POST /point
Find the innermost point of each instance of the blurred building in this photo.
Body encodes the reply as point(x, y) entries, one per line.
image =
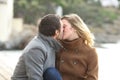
point(110, 3)
point(59, 11)
point(6, 16)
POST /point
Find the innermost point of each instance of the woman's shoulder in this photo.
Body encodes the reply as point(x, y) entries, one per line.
point(90, 50)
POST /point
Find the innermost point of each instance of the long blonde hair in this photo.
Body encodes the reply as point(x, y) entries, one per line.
point(81, 28)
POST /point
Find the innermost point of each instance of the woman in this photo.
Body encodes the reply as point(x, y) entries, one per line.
point(78, 59)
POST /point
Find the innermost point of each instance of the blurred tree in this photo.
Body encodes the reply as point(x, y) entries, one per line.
point(89, 10)
point(31, 10)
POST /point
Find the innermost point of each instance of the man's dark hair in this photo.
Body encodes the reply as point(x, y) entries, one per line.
point(49, 24)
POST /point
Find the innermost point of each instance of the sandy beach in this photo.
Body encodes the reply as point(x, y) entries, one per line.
point(109, 65)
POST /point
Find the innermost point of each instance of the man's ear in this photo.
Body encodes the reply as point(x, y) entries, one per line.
point(56, 34)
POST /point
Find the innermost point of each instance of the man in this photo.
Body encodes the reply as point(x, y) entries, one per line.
point(39, 54)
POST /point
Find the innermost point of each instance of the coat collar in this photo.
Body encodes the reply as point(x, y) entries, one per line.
point(72, 44)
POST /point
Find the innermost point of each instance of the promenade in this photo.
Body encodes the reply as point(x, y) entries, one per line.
point(8, 60)
point(109, 65)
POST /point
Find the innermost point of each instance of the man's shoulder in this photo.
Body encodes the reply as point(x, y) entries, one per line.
point(35, 43)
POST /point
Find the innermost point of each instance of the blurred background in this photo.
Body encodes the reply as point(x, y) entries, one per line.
point(19, 20)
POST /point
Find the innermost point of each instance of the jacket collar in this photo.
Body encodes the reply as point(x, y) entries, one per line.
point(50, 41)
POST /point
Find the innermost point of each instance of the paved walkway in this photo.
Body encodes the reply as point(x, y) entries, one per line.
point(109, 65)
point(8, 60)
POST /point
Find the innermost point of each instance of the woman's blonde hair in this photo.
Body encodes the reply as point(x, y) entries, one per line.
point(81, 28)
